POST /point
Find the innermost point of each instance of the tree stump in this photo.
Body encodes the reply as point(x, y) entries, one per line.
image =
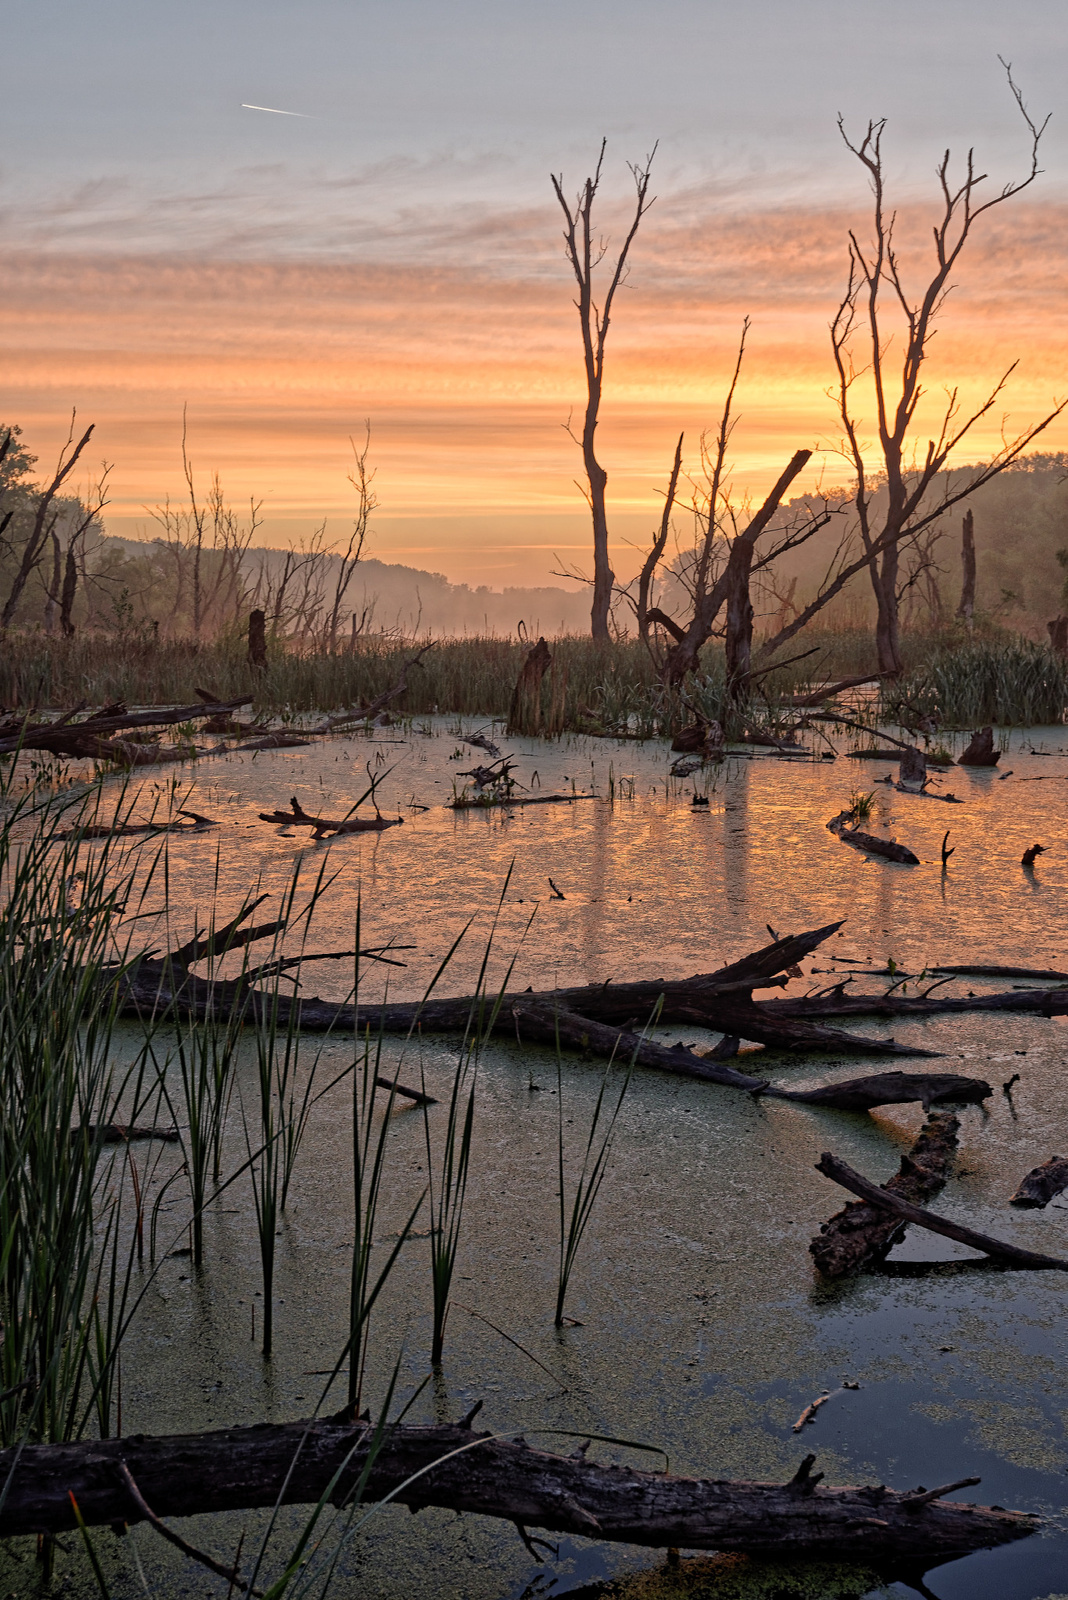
point(980, 752)
point(257, 640)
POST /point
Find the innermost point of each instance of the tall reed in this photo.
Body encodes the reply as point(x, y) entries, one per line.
point(574, 1218)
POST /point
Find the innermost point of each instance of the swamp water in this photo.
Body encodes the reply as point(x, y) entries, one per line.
point(701, 1327)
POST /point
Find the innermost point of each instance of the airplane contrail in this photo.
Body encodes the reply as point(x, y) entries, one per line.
point(275, 111)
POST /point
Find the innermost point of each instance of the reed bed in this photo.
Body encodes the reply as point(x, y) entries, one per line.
point(590, 686)
point(1011, 682)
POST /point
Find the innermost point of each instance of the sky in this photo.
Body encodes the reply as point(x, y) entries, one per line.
point(391, 249)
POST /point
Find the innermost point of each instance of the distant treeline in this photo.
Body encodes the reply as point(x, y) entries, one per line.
point(204, 572)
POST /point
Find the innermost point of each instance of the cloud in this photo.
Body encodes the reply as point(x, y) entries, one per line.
point(454, 331)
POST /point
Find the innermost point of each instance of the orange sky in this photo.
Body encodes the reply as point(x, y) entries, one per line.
point(467, 373)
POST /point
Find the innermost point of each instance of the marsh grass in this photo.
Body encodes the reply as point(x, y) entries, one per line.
point(590, 687)
point(574, 1219)
point(1011, 682)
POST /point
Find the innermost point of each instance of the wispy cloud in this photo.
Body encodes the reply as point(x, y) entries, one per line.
point(454, 330)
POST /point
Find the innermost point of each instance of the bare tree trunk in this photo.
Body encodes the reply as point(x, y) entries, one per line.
point(887, 631)
point(257, 640)
point(682, 657)
point(69, 590)
point(53, 588)
point(966, 609)
point(649, 565)
point(583, 256)
point(739, 617)
point(31, 553)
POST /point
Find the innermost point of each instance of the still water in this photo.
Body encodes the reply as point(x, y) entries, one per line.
point(702, 1328)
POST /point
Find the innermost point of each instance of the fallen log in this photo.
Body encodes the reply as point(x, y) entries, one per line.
point(837, 1170)
point(816, 697)
point(719, 1000)
point(1042, 1184)
point(293, 1463)
point(86, 738)
point(862, 1232)
point(1040, 1002)
point(1039, 974)
point(273, 741)
point(123, 1133)
point(887, 848)
point(547, 1024)
point(297, 817)
point(497, 802)
point(126, 830)
point(892, 1089)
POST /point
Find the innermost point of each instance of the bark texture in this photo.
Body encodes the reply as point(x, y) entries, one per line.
point(240, 1468)
point(863, 1232)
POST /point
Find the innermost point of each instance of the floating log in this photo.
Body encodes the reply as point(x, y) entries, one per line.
point(123, 1133)
point(125, 830)
point(1042, 1184)
point(496, 802)
point(273, 741)
point(928, 794)
point(1039, 974)
point(297, 817)
point(294, 1463)
point(887, 848)
point(862, 1233)
point(892, 1089)
point(980, 751)
point(837, 1170)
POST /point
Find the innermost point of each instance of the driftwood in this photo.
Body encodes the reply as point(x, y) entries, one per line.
point(297, 817)
point(901, 1208)
point(369, 713)
point(1042, 1184)
point(863, 1232)
point(892, 1089)
point(455, 1467)
point(980, 751)
point(886, 848)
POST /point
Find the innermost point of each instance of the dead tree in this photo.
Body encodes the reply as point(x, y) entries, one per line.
point(33, 549)
point(966, 609)
point(894, 507)
point(584, 256)
point(349, 558)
